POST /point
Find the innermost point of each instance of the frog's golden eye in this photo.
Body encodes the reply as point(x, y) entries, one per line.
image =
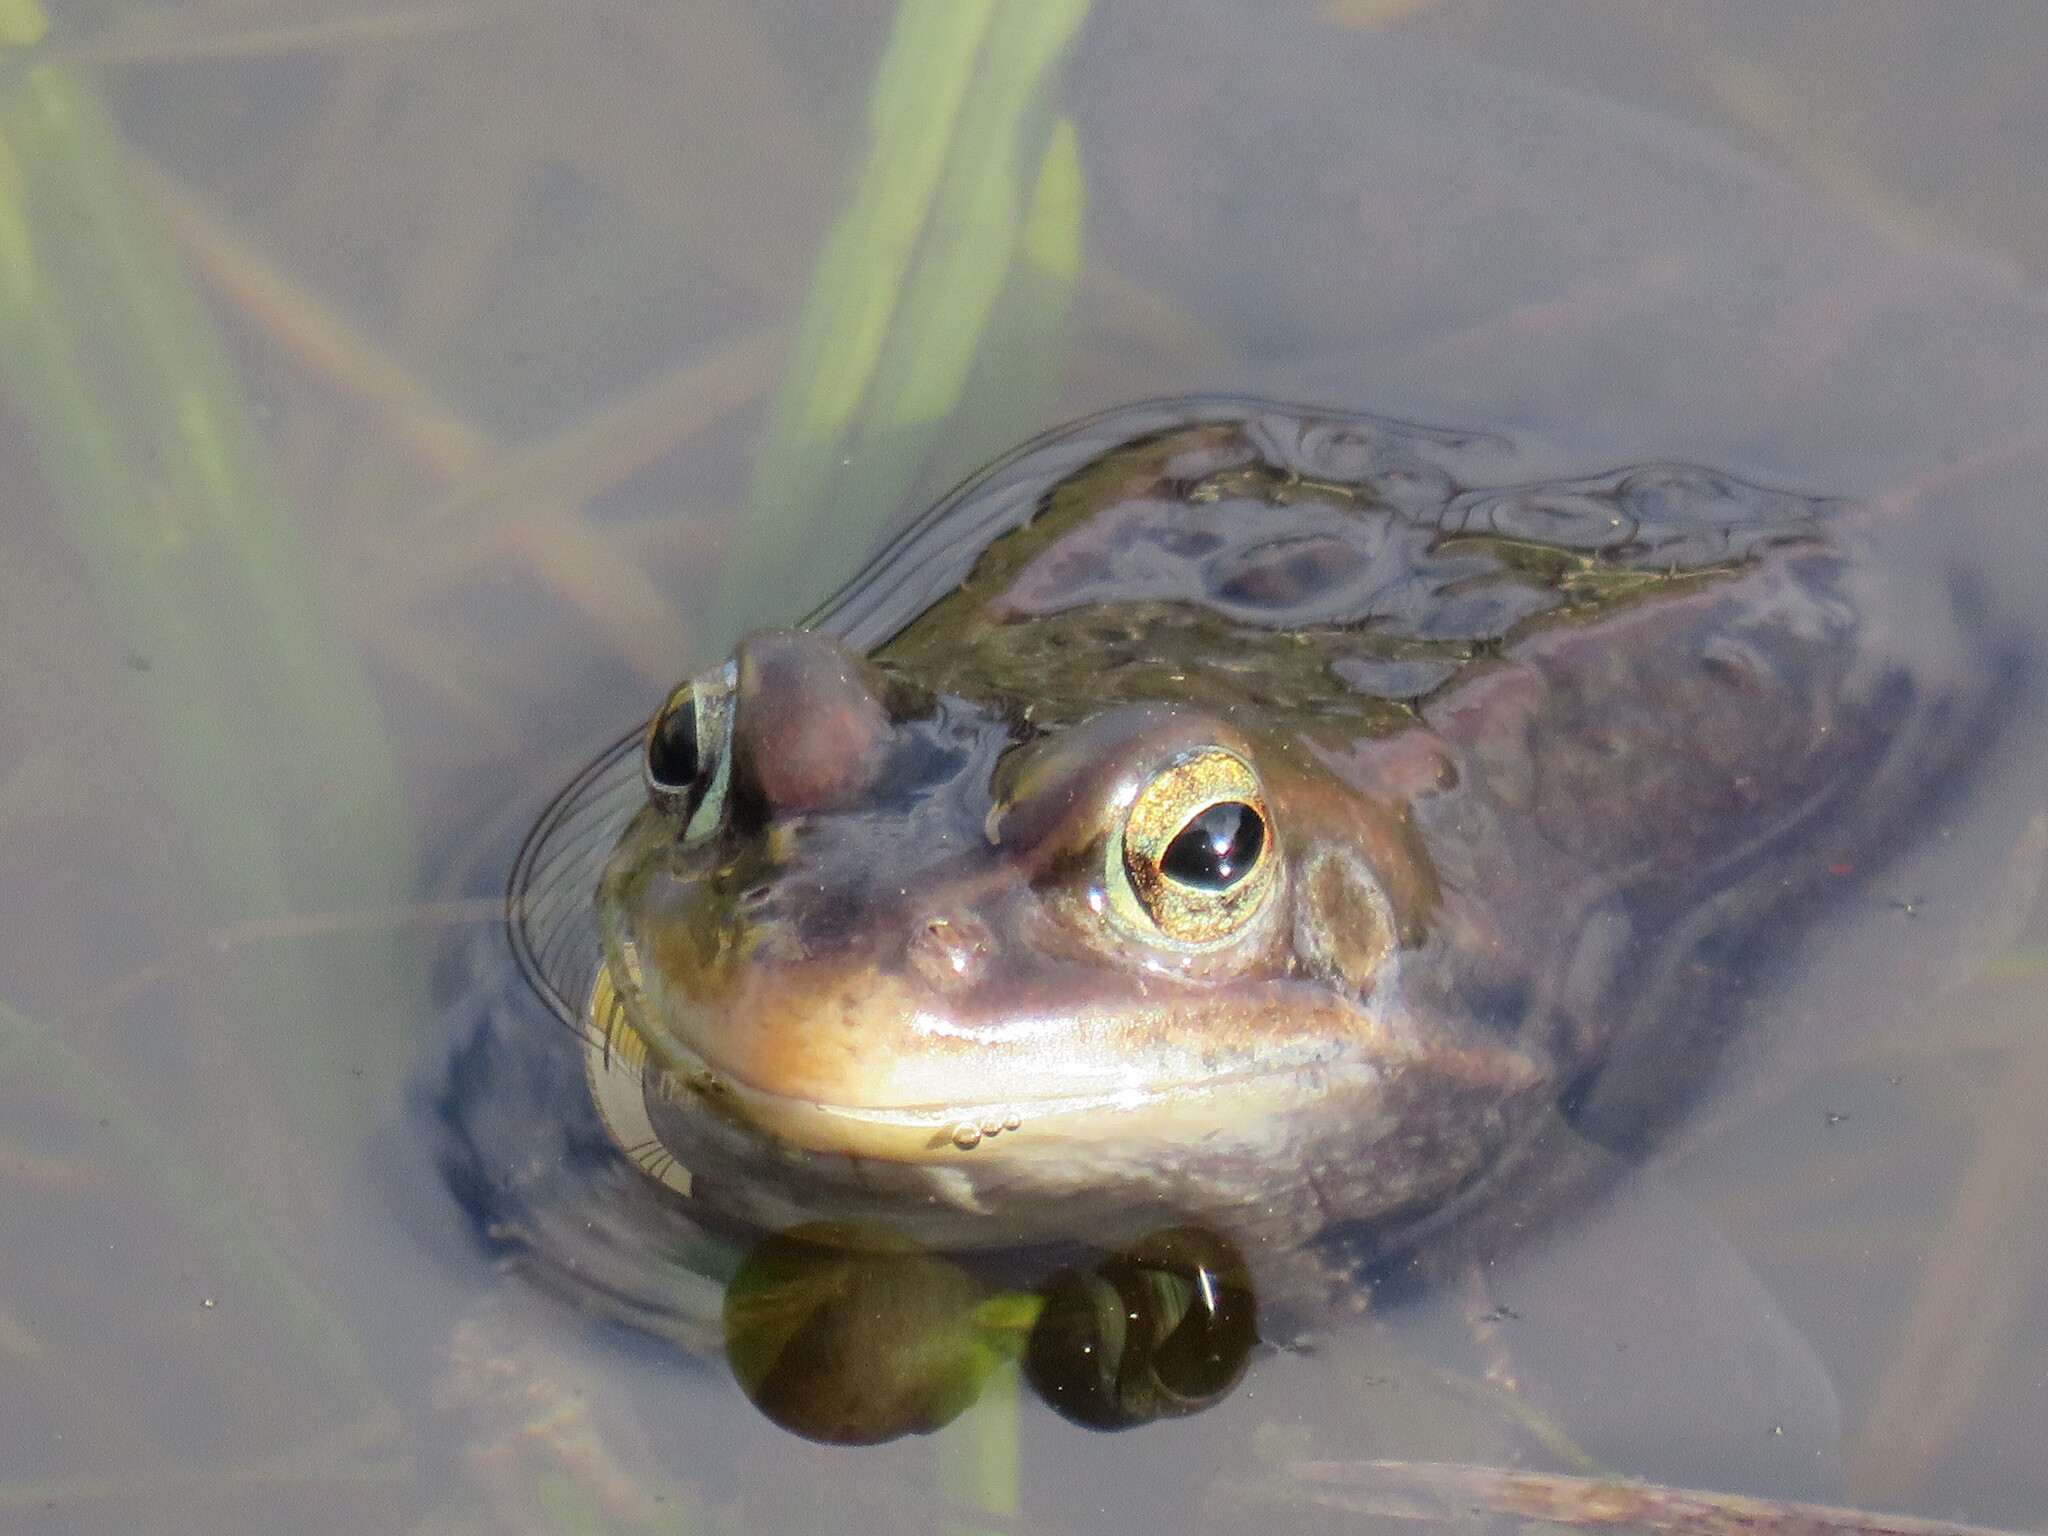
point(1197, 848)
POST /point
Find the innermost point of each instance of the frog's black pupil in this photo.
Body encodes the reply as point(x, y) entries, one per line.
point(1213, 851)
point(672, 747)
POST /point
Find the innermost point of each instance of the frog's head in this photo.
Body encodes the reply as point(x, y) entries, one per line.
point(882, 944)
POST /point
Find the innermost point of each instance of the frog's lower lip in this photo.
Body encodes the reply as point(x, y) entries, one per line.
point(930, 1133)
point(954, 1132)
point(1170, 1110)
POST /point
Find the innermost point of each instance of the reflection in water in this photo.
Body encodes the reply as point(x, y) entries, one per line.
point(1160, 1331)
point(853, 1336)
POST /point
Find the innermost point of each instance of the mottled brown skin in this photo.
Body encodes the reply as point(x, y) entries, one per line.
point(1540, 766)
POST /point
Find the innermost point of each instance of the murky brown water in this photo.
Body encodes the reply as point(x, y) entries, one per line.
point(448, 245)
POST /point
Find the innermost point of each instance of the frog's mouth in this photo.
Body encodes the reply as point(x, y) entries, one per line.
point(1174, 1112)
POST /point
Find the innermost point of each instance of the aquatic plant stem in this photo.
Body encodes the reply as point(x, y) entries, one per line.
point(956, 190)
point(979, 1465)
point(273, 752)
point(151, 450)
point(253, 779)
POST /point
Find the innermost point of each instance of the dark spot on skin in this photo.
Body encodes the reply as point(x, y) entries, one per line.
point(951, 952)
point(1390, 677)
point(1500, 1006)
point(1286, 571)
point(1188, 543)
point(1733, 665)
point(917, 765)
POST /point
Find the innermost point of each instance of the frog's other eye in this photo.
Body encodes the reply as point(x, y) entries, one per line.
point(672, 745)
point(1197, 848)
point(687, 758)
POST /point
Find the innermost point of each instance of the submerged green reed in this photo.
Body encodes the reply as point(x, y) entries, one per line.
point(939, 297)
point(257, 733)
point(271, 746)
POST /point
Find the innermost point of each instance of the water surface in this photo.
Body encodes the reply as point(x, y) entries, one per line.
point(234, 1296)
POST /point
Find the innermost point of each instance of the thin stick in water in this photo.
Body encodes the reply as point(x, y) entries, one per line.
point(1437, 1490)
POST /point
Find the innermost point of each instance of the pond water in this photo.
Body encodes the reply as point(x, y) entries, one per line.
point(507, 287)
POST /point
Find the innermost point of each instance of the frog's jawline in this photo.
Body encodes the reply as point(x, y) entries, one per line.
point(924, 1133)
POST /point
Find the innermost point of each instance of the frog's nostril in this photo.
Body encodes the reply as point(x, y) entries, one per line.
point(950, 952)
point(810, 729)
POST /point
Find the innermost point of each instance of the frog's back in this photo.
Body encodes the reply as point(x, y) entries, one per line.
point(1331, 571)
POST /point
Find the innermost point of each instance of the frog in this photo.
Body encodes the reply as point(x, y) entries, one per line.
point(1295, 821)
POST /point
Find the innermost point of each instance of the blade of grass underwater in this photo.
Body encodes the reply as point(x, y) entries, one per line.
point(923, 78)
point(949, 301)
point(902, 294)
point(272, 753)
point(1015, 381)
point(979, 1462)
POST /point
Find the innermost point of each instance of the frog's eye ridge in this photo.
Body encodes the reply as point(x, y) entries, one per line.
point(672, 757)
point(1196, 861)
point(1217, 848)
